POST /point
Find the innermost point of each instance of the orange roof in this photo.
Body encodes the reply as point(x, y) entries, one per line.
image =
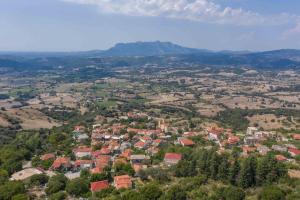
point(280, 158)
point(96, 170)
point(157, 141)
point(232, 139)
point(83, 162)
point(294, 151)
point(82, 149)
point(215, 130)
point(102, 161)
point(138, 166)
point(296, 136)
point(123, 181)
point(99, 185)
point(248, 149)
point(126, 154)
point(173, 156)
point(189, 134)
point(61, 161)
point(139, 144)
point(47, 156)
point(186, 142)
point(105, 151)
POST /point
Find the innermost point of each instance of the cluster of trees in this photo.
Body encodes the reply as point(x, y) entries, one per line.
point(242, 172)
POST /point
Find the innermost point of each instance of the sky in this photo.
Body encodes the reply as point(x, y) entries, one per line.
point(79, 25)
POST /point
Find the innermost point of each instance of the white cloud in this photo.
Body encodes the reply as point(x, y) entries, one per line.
point(196, 10)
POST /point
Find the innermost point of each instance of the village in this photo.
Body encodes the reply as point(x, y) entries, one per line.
point(123, 150)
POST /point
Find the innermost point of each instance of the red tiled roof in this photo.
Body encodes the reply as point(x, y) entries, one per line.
point(294, 151)
point(96, 170)
point(280, 158)
point(173, 156)
point(78, 128)
point(47, 156)
point(145, 138)
point(215, 130)
point(99, 185)
point(138, 166)
point(157, 141)
point(61, 161)
point(233, 139)
point(105, 151)
point(189, 134)
point(123, 181)
point(102, 161)
point(186, 142)
point(126, 154)
point(248, 149)
point(139, 144)
point(82, 149)
point(83, 162)
point(296, 136)
point(96, 153)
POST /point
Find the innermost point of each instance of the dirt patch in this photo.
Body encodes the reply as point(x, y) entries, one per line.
point(270, 121)
point(32, 119)
point(4, 122)
point(294, 173)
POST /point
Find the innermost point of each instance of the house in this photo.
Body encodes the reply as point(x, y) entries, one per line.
point(120, 160)
point(280, 158)
point(263, 150)
point(96, 170)
point(189, 134)
point(126, 154)
point(250, 140)
point(157, 142)
point(84, 164)
point(82, 151)
point(103, 161)
point(294, 152)
point(105, 151)
point(214, 136)
point(122, 182)
point(61, 163)
point(138, 167)
point(124, 146)
point(247, 150)
point(232, 140)
point(140, 145)
point(99, 185)
point(152, 150)
point(296, 136)
point(48, 156)
point(78, 128)
point(82, 137)
point(172, 158)
point(139, 159)
point(279, 148)
point(186, 142)
point(251, 130)
point(146, 139)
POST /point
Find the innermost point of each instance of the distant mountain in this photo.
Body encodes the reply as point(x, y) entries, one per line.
point(139, 53)
point(149, 49)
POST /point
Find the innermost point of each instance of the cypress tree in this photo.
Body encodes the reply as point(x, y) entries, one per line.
point(248, 173)
point(234, 172)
